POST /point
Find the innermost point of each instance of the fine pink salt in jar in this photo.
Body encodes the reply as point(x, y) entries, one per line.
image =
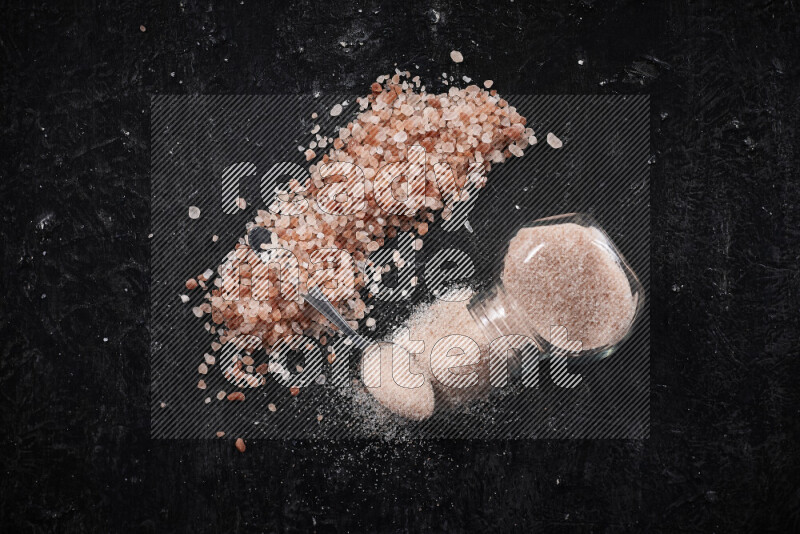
point(562, 272)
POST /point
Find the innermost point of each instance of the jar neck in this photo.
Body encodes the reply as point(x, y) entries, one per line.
point(498, 314)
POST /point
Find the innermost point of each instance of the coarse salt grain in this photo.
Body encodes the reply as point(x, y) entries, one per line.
point(456, 56)
point(194, 212)
point(336, 110)
point(554, 141)
point(240, 446)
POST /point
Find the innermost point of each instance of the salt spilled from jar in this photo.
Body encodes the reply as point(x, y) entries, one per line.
point(564, 285)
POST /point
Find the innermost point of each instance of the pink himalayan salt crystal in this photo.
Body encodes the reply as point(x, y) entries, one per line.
point(562, 276)
point(456, 56)
point(554, 141)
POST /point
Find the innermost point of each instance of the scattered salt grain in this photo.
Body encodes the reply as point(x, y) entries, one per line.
point(194, 212)
point(336, 110)
point(554, 141)
point(240, 446)
point(456, 56)
point(184, 298)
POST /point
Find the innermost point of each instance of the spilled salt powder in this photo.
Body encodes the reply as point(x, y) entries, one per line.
point(393, 385)
point(458, 368)
point(455, 372)
point(562, 275)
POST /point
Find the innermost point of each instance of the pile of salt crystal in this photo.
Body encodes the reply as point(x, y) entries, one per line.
point(464, 127)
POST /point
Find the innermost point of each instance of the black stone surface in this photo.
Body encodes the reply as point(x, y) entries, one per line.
point(76, 453)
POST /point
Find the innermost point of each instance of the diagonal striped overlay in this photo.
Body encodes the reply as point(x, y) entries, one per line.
point(205, 148)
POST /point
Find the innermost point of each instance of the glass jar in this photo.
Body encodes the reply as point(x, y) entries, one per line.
point(563, 272)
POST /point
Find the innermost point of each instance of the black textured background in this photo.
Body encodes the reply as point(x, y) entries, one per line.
point(76, 454)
